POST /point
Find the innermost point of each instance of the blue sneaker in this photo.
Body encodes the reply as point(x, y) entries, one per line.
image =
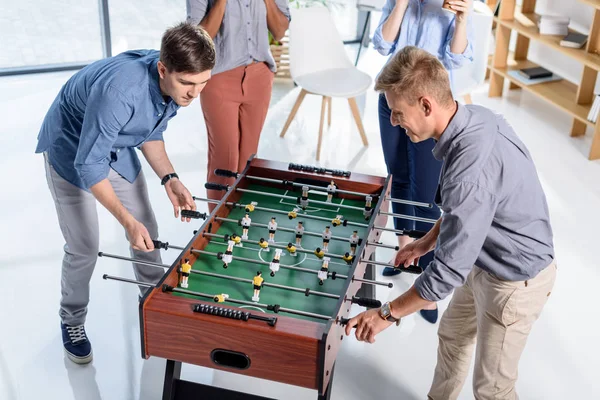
point(389, 271)
point(430, 316)
point(77, 346)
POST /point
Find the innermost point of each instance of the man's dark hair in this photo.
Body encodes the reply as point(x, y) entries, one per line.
point(187, 48)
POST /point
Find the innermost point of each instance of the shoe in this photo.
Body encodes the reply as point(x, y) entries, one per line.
point(389, 271)
point(77, 346)
point(430, 316)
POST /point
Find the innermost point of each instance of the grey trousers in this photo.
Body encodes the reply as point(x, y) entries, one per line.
point(78, 220)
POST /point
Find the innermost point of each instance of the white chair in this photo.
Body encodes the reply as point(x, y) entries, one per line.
point(320, 65)
point(469, 77)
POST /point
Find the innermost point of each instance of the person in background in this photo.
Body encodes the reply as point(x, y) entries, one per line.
point(236, 100)
point(415, 172)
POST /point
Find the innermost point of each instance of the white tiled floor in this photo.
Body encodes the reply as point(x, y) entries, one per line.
point(562, 357)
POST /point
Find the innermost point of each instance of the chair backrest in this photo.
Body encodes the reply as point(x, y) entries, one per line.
point(315, 43)
point(471, 75)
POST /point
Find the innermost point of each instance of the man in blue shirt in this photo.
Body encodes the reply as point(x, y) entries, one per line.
point(89, 139)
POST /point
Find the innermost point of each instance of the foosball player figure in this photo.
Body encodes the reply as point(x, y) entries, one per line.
point(319, 253)
point(263, 244)
point(236, 239)
point(292, 249)
point(257, 281)
point(299, 232)
point(330, 191)
point(250, 207)
point(322, 274)
point(368, 207)
point(337, 220)
point(272, 225)
point(354, 242)
point(185, 272)
point(326, 238)
point(294, 213)
point(348, 257)
point(246, 221)
point(304, 198)
point(220, 298)
point(228, 256)
point(274, 266)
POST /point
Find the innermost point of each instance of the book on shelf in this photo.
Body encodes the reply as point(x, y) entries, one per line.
point(535, 73)
point(574, 40)
point(594, 109)
point(554, 25)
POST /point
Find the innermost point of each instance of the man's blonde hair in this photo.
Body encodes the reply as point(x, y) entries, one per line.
point(413, 73)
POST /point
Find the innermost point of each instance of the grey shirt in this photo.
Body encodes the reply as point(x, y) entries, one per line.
point(243, 35)
point(495, 214)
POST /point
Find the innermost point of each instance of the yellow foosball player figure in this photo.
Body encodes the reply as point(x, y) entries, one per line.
point(220, 298)
point(257, 281)
point(236, 239)
point(293, 214)
point(274, 266)
point(228, 256)
point(330, 191)
point(185, 273)
point(245, 222)
point(292, 249)
point(250, 207)
point(264, 244)
point(322, 274)
point(326, 238)
point(337, 220)
point(299, 232)
point(348, 257)
point(368, 207)
point(354, 239)
point(319, 253)
point(272, 225)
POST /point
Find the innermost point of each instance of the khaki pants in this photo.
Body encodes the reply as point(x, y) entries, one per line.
point(495, 317)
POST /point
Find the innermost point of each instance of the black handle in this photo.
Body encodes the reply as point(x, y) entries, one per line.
point(226, 173)
point(160, 245)
point(215, 186)
point(365, 302)
point(193, 214)
point(411, 269)
point(414, 234)
point(343, 321)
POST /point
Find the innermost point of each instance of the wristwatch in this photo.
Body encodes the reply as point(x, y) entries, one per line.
point(385, 312)
point(168, 177)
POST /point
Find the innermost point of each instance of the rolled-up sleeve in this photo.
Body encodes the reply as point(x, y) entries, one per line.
point(453, 60)
point(196, 11)
point(381, 45)
point(468, 213)
point(107, 111)
point(284, 7)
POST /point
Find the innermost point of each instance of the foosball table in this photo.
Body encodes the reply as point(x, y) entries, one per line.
point(264, 286)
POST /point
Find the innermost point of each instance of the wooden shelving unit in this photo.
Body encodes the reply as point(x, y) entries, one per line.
point(576, 100)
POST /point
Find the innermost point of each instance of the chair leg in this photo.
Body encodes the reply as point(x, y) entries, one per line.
point(293, 112)
point(356, 114)
point(323, 103)
point(468, 99)
point(329, 109)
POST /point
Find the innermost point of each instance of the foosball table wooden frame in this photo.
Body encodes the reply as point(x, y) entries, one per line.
point(294, 351)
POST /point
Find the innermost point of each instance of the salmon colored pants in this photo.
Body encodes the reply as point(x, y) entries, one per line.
point(235, 105)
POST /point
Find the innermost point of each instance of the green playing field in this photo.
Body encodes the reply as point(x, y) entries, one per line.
point(244, 269)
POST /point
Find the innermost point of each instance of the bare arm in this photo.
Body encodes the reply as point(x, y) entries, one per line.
point(459, 40)
point(391, 27)
point(277, 21)
point(213, 19)
point(156, 155)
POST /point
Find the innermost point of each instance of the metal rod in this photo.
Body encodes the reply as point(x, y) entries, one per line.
point(409, 217)
point(286, 182)
point(410, 233)
point(118, 278)
point(141, 262)
point(282, 196)
point(105, 28)
point(283, 229)
point(273, 210)
point(384, 246)
point(370, 282)
point(409, 202)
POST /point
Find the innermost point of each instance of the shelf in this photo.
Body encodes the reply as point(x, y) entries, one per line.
point(560, 93)
point(593, 3)
point(526, 25)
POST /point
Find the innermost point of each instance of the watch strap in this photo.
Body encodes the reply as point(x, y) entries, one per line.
point(168, 177)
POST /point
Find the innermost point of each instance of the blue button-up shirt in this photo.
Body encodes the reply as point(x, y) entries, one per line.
point(495, 211)
point(243, 36)
point(427, 26)
point(102, 114)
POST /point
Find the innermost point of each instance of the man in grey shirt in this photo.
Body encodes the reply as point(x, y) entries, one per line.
point(493, 243)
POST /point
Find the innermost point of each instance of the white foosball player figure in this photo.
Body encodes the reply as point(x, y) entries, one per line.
point(322, 274)
point(246, 221)
point(331, 188)
point(326, 238)
point(299, 232)
point(368, 207)
point(274, 266)
point(354, 242)
point(228, 256)
point(304, 198)
point(272, 226)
